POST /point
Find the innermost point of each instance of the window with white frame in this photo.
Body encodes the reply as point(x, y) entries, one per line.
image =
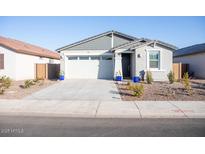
point(154, 59)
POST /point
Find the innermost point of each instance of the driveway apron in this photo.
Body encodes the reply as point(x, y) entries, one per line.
point(79, 89)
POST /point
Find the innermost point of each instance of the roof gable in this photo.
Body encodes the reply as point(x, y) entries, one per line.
point(101, 41)
point(143, 42)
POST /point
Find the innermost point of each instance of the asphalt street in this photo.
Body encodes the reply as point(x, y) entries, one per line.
point(98, 127)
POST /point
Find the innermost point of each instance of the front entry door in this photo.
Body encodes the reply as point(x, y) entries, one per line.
point(126, 65)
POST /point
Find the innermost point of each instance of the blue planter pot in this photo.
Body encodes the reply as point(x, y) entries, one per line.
point(136, 79)
point(118, 78)
point(61, 77)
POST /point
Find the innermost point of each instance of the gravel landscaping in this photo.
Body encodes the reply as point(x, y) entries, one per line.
point(16, 90)
point(163, 91)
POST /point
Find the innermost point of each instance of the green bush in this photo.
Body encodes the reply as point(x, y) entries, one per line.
point(171, 78)
point(138, 89)
point(186, 83)
point(149, 78)
point(28, 83)
point(5, 81)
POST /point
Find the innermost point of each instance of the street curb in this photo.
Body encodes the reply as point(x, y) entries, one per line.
point(36, 114)
point(131, 109)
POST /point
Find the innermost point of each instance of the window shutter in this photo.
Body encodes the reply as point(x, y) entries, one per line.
point(1, 61)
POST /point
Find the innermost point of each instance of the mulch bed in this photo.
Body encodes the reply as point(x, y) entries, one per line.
point(163, 91)
point(15, 91)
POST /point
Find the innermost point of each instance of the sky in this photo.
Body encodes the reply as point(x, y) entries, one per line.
point(55, 32)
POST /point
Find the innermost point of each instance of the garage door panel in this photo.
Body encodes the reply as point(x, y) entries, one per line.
point(91, 69)
point(105, 69)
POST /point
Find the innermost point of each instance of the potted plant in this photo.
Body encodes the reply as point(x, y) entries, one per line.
point(61, 75)
point(136, 79)
point(119, 76)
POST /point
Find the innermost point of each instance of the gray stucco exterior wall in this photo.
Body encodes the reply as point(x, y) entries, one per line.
point(165, 62)
point(119, 40)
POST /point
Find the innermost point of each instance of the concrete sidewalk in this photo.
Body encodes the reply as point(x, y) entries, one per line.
point(105, 109)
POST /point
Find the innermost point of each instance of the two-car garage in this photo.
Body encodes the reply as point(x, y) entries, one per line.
point(89, 66)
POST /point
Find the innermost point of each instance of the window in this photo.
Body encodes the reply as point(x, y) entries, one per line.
point(154, 58)
point(73, 58)
point(106, 57)
point(84, 58)
point(95, 58)
point(1, 61)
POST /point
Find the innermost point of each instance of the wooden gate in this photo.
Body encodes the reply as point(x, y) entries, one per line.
point(41, 71)
point(47, 71)
point(179, 69)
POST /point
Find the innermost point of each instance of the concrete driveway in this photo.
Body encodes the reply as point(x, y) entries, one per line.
point(79, 89)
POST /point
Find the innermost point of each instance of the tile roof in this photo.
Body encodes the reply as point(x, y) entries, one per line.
point(26, 48)
point(194, 49)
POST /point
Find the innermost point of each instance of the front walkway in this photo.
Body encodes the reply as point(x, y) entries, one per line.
point(104, 109)
point(79, 89)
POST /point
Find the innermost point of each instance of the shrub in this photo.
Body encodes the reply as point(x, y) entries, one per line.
point(129, 83)
point(28, 83)
point(138, 89)
point(61, 73)
point(186, 83)
point(149, 77)
point(5, 81)
point(120, 74)
point(2, 89)
point(171, 78)
point(36, 80)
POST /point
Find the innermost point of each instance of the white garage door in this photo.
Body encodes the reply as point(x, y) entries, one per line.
point(89, 67)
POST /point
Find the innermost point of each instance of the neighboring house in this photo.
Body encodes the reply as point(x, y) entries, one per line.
point(195, 57)
point(111, 53)
point(18, 59)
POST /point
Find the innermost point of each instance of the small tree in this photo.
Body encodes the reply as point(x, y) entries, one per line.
point(171, 78)
point(149, 77)
point(186, 83)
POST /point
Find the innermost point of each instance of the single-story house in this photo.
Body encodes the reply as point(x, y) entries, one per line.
point(112, 53)
point(18, 59)
point(195, 57)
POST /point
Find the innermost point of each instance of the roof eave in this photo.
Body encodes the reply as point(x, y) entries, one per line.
point(188, 54)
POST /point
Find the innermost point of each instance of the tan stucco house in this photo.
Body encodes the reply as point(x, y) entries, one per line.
point(18, 59)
